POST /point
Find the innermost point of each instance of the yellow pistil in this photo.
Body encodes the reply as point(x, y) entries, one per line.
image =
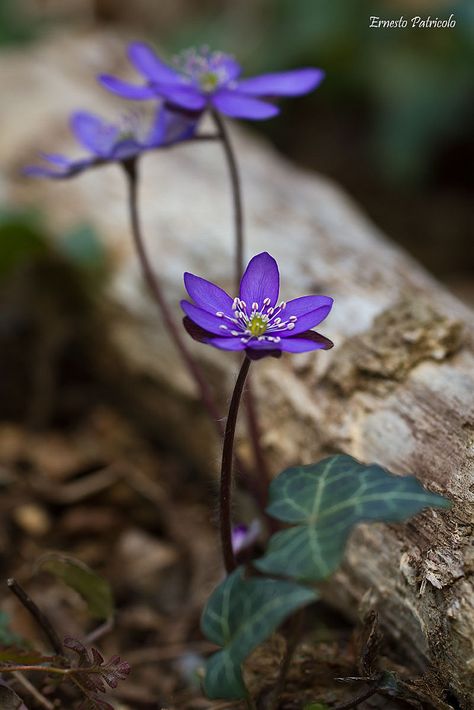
point(257, 325)
point(209, 81)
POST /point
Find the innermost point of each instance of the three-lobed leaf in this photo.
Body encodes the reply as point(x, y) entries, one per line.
point(325, 501)
point(240, 614)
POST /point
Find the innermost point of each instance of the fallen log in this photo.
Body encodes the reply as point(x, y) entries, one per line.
point(397, 388)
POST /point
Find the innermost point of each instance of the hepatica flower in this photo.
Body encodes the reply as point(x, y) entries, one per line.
point(203, 79)
point(114, 142)
point(255, 321)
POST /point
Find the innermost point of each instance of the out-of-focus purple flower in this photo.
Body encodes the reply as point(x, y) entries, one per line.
point(203, 78)
point(254, 321)
point(244, 536)
point(114, 142)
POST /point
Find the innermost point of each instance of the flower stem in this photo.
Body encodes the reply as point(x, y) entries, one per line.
point(154, 286)
point(226, 469)
point(153, 283)
point(263, 475)
point(236, 196)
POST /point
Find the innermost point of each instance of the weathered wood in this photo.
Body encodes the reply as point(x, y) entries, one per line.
point(397, 388)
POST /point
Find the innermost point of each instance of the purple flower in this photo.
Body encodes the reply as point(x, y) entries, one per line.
point(244, 536)
point(203, 78)
point(114, 142)
point(254, 321)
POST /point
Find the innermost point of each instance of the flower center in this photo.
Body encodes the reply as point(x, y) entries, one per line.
point(257, 325)
point(207, 68)
point(209, 81)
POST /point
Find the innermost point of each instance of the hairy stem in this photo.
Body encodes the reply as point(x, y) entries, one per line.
point(154, 286)
point(226, 470)
point(39, 616)
point(263, 475)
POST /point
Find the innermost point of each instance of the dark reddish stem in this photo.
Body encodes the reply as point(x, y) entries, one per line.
point(263, 475)
point(226, 469)
point(154, 285)
point(223, 134)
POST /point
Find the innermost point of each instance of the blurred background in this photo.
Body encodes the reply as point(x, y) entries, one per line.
point(86, 472)
point(392, 123)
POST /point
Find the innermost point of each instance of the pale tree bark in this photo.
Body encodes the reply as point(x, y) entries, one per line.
point(397, 388)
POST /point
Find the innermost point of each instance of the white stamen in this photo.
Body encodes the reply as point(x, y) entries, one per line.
point(219, 314)
point(254, 306)
point(223, 327)
point(292, 319)
point(244, 340)
point(282, 305)
point(290, 326)
point(266, 301)
point(260, 338)
point(235, 332)
point(277, 320)
point(270, 311)
point(277, 339)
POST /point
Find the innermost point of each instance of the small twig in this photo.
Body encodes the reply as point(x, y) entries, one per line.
point(33, 691)
point(40, 618)
point(23, 668)
point(100, 631)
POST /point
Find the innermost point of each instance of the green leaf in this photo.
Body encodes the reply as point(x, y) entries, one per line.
point(240, 614)
point(325, 501)
point(16, 655)
point(93, 588)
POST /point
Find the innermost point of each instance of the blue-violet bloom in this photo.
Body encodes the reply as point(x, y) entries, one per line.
point(208, 79)
point(114, 142)
point(244, 536)
point(255, 321)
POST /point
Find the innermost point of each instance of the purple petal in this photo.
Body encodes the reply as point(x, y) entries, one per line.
point(226, 343)
point(309, 340)
point(287, 83)
point(245, 535)
point(255, 354)
point(207, 295)
point(231, 67)
point(56, 158)
point(94, 133)
point(126, 90)
point(261, 280)
point(150, 65)
point(60, 171)
point(170, 127)
point(237, 105)
point(196, 333)
point(184, 96)
point(126, 149)
point(43, 171)
point(309, 310)
point(206, 320)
